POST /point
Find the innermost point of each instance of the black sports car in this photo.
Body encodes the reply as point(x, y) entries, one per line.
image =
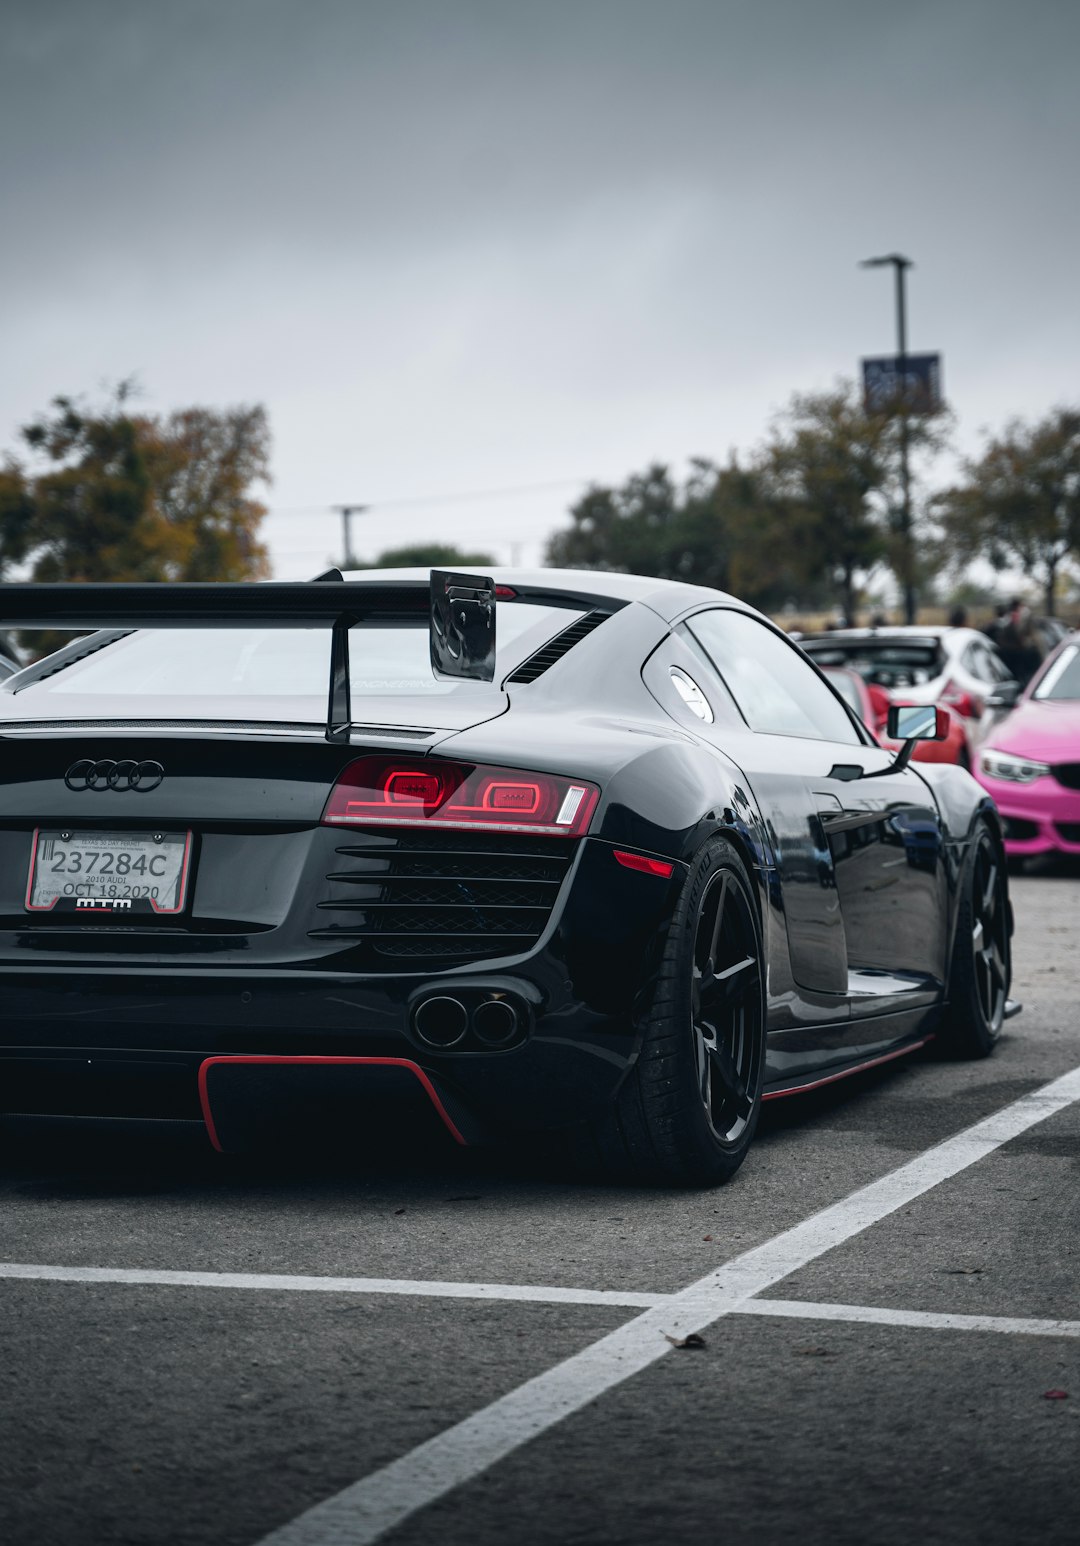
point(554, 852)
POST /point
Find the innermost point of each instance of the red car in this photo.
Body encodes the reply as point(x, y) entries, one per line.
point(871, 703)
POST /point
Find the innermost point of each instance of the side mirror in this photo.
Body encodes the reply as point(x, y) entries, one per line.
point(918, 722)
point(462, 632)
point(909, 723)
point(1003, 696)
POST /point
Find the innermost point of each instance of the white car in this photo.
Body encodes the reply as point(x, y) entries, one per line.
point(957, 666)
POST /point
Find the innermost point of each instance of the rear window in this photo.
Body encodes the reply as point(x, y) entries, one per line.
point(385, 660)
point(886, 663)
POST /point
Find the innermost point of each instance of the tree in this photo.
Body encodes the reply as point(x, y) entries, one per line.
point(111, 495)
point(430, 555)
point(202, 465)
point(807, 519)
point(829, 476)
point(824, 474)
point(16, 515)
point(1019, 504)
point(652, 525)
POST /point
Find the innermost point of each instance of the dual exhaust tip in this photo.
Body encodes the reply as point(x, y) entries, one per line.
point(443, 1022)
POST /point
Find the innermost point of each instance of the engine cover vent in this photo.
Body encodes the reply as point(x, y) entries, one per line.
point(537, 664)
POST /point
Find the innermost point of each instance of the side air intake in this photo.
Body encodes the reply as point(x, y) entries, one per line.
point(537, 664)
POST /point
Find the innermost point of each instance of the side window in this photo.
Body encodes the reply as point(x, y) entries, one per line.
point(682, 680)
point(776, 688)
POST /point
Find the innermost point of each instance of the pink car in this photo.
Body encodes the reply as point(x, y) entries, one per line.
point(1030, 761)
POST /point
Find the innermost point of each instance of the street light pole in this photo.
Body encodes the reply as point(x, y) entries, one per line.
point(347, 512)
point(900, 266)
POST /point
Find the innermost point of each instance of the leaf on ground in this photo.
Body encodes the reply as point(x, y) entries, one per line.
point(398, 1211)
point(692, 1341)
point(962, 1272)
point(1055, 1395)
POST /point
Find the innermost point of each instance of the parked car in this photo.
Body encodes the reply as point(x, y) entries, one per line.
point(872, 704)
point(956, 666)
point(581, 859)
point(1030, 761)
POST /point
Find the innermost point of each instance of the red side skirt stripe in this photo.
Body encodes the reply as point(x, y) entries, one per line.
point(846, 1073)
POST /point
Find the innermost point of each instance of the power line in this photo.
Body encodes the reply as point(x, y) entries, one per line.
point(436, 499)
point(490, 493)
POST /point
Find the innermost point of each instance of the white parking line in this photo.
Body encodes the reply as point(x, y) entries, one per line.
point(291, 1283)
point(370, 1507)
point(531, 1293)
point(808, 1309)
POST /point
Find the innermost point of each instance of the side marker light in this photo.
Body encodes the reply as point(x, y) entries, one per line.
point(647, 866)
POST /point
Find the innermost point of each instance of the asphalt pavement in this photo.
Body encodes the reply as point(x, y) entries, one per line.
point(198, 1410)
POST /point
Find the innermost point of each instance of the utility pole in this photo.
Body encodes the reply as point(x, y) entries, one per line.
point(347, 512)
point(900, 266)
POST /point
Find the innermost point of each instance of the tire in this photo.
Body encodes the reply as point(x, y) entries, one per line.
point(687, 1110)
point(981, 969)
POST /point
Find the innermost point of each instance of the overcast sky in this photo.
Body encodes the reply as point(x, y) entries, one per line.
point(472, 245)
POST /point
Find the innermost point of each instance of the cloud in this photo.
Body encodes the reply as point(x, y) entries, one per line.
point(485, 243)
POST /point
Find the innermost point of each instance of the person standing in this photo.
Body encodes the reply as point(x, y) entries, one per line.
point(994, 627)
point(1016, 642)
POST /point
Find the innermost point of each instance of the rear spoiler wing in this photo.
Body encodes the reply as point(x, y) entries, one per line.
point(459, 608)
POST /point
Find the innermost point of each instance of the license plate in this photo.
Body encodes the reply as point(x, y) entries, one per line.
point(108, 872)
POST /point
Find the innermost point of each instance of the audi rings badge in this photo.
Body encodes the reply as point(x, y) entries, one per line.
point(127, 775)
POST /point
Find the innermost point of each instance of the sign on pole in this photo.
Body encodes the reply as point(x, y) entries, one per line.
point(919, 388)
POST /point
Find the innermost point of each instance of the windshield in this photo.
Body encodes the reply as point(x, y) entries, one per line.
point(385, 660)
point(1061, 683)
point(885, 662)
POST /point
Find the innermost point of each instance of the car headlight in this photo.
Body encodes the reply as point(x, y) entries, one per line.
point(1016, 770)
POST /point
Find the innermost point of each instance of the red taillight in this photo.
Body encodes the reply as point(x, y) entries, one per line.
point(414, 789)
point(524, 798)
point(392, 791)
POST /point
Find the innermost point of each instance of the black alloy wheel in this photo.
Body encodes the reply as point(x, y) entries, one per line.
point(725, 1006)
point(982, 964)
point(990, 935)
point(687, 1111)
